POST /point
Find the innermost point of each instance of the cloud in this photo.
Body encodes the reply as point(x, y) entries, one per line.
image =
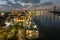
point(12, 1)
point(3, 2)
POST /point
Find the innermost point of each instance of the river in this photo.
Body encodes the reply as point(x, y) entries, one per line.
point(48, 25)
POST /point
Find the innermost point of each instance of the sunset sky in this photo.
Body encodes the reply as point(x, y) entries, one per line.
point(42, 1)
point(6, 4)
point(54, 1)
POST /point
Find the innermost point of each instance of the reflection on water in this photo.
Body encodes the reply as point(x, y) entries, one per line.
point(48, 19)
point(48, 24)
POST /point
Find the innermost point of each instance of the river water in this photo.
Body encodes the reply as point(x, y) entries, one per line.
point(48, 25)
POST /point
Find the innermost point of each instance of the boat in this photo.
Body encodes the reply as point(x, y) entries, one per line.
point(32, 32)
